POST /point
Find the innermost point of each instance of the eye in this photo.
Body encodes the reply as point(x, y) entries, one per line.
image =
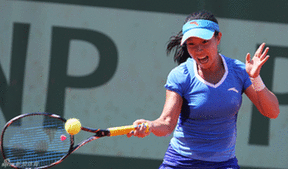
point(205, 41)
point(190, 44)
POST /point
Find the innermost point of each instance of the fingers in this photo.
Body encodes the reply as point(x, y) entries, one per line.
point(263, 56)
point(258, 52)
point(140, 129)
point(139, 121)
point(248, 57)
point(264, 60)
point(130, 134)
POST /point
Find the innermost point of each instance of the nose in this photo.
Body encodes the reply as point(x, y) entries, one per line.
point(199, 48)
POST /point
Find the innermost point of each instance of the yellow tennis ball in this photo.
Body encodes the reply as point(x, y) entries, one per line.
point(72, 126)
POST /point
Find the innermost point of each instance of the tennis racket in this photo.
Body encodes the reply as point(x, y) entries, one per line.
point(39, 140)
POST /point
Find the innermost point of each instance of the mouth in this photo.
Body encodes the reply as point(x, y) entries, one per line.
point(203, 60)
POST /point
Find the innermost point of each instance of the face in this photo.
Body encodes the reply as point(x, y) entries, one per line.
point(204, 52)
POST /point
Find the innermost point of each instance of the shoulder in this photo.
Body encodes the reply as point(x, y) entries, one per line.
point(237, 69)
point(178, 79)
point(180, 72)
point(234, 64)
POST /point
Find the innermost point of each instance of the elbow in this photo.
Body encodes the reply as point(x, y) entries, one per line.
point(272, 114)
point(162, 128)
point(162, 134)
point(170, 131)
point(271, 111)
point(167, 131)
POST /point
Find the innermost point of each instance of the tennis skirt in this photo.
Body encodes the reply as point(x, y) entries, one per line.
point(173, 160)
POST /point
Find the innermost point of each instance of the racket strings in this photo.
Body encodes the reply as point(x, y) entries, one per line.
point(36, 141)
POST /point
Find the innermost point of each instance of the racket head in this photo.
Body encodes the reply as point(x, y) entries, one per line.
point(35, 140)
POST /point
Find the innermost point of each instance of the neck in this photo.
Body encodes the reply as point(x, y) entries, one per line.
point(214, 73)
point(215, 68)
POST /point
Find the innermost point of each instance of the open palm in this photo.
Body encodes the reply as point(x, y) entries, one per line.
point(253, 66)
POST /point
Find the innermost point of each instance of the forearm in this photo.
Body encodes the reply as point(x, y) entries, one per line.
point(268, 103)
point(166, 123)
point(162, 127)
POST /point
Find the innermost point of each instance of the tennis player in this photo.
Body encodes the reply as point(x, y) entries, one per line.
point(203, 97)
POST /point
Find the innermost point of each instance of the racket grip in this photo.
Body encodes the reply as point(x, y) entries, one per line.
point(117, 131)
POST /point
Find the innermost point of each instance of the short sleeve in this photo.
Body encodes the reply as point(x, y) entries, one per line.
point(247, 81)
point(177, 80)
point(241, 71)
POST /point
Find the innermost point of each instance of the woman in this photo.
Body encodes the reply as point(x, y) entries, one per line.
point(203, 97)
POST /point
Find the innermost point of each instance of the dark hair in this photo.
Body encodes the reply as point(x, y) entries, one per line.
point(181, 54)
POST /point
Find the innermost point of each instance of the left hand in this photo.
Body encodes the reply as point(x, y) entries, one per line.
point(253, 66)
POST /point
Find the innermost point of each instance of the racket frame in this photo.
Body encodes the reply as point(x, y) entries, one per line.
point(27, 115)
point(98, 134)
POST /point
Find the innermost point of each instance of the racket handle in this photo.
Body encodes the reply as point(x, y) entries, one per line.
point(117, 131)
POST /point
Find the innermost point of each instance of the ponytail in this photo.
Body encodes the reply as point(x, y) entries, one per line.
point(181, 54)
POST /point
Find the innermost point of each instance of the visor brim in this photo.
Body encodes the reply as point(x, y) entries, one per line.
point(199, 33)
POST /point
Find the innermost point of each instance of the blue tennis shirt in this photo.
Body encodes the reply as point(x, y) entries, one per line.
point(206, 128)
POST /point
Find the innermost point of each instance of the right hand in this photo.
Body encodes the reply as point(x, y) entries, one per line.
point(140, 130)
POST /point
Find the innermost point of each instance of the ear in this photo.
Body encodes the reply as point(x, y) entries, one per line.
point(218, 38)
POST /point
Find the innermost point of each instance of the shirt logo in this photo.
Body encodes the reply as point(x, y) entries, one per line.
point(195, 23)
point(233, 89)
